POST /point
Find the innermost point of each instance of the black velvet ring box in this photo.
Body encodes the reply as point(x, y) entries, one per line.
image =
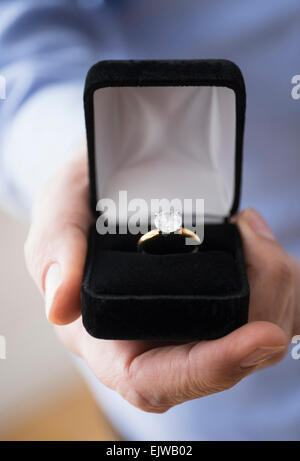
point(166, 129)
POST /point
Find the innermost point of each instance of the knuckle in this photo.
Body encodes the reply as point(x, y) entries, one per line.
point(280, 271)
point(139, 392)
point(219, 381)
point(149, 404)
point(142, 399)
point(213, 381)
point(214, 386)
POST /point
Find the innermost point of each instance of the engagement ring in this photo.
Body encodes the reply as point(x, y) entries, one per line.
point(168, 236)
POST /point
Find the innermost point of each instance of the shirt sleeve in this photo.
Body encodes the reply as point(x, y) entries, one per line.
point(47, 51)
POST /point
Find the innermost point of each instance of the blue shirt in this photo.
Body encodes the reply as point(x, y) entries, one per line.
point(46, 50)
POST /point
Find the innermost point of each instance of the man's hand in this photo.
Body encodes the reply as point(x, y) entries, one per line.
point(155, 376)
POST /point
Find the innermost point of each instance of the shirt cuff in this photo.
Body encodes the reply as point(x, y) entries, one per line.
point(46, 131)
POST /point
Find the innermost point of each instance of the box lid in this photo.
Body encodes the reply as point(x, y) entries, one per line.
point(166, 129)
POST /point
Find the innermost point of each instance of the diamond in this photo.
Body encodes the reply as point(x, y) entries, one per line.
point(168, 221)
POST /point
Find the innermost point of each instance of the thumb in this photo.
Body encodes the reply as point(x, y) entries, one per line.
point(63, 279)
point(56, 245)
point(188, 371)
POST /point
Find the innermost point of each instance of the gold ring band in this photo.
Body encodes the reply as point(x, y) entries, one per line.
point(187, 233)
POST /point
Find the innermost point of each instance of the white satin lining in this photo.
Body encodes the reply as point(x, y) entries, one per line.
point(166, 142)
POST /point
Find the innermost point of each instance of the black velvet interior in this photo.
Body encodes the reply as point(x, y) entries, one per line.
point(168, 244)
point(120, 284)
point(119, 269)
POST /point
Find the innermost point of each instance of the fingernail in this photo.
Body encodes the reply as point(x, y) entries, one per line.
point(257, 223)
point(52, 282)
point(260, 355)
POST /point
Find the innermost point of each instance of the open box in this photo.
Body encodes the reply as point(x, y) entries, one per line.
point(165, 129)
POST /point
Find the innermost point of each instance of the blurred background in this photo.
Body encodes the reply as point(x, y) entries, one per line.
point(42, 396)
